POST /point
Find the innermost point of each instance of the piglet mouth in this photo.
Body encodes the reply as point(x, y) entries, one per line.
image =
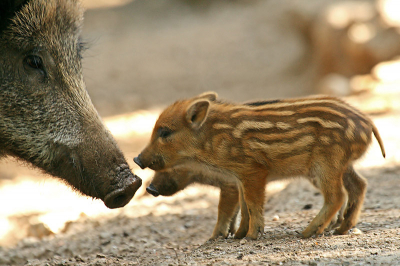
point(125, 191)
point(152, 190)
point(156, 164)
point(138, 161)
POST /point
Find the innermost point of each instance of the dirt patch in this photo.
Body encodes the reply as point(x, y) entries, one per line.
point(179, 237)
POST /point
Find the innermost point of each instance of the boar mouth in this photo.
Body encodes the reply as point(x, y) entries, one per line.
point(122, 195)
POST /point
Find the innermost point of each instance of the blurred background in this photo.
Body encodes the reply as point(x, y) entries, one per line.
point(144, 55)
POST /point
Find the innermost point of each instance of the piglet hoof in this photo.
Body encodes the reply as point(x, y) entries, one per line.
point(313, 235)
point(299, 235)
point(309, 232)
point(213, 239)
point(305, 235)
point(218, 235)
point(339, 232)
point(239, 235)
point(251, 236)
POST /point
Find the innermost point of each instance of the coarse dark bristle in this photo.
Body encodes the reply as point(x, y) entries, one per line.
point(260, 103)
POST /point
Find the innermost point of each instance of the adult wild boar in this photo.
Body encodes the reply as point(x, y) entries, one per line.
point(46, 115)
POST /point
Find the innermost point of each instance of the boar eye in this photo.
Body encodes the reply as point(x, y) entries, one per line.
point(34, 61)
point(164, 132)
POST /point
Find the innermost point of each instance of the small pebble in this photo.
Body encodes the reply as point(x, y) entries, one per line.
point(275, 218)
point(243, 241)
point(356, 231)
point(307, 207)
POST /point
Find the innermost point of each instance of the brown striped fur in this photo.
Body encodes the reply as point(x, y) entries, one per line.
point(315, 137)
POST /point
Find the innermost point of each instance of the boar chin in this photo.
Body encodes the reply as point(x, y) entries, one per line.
point(115, 187)
point(110, 179)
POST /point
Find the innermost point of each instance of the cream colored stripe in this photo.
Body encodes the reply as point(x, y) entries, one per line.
point(364, 136)
point(325, 139)
point(283, 125)
point(221, 126)
point(364, 125)
point(262, 113)
point(324, 123)
point(321, 109)
point(350, 129)
point(280, 136)
point(278, 148)
point(300, 102)
point(245, 125)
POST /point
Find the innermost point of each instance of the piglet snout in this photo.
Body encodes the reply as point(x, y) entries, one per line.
point(138, 161)
point(152, 190)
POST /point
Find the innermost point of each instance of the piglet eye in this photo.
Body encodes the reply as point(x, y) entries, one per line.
point(164, 132)
point(34, 61)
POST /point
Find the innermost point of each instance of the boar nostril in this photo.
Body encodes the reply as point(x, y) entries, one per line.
point(152, 190)
point(120, 200)
point(120, 197)
point(138, 162)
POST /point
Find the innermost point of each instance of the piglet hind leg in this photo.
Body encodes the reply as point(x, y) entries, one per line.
point(338, 219)
point(232, 224)
point(244, 221)
point(356, 187)
point(331, 185)
point(254, 195)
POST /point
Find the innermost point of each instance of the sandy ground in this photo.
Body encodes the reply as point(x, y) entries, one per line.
point(143, 56)
point(175, 231)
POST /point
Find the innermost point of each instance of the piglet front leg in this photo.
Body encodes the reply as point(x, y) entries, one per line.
point(228, 208)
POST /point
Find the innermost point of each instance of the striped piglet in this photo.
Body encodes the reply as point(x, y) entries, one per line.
point(316, 137)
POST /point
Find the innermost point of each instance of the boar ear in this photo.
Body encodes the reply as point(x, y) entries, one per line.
point(209, 95)
point(197, 113)
point(8, 8)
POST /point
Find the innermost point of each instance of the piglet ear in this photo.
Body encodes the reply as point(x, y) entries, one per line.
point(209, 95)
point(197, 113)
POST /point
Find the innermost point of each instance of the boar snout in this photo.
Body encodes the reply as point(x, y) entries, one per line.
point(120, 197)
point(124, 189)
point(152, 190)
